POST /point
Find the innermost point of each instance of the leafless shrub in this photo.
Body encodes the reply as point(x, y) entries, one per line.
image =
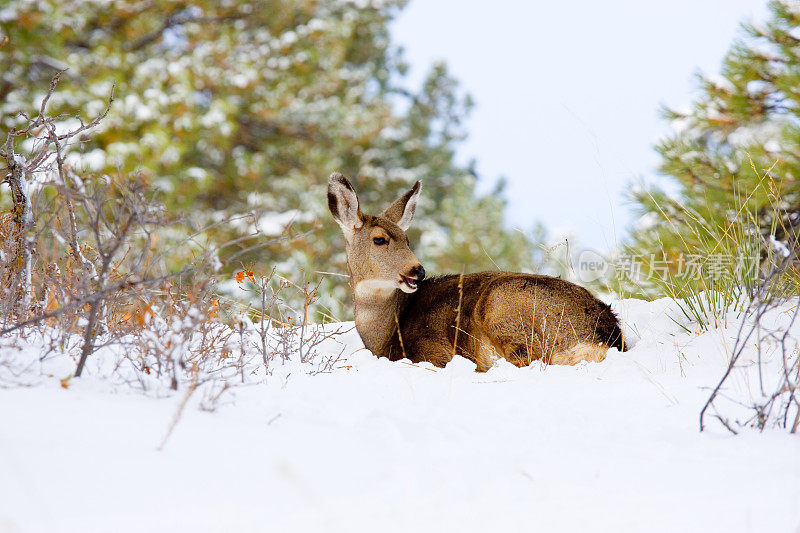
point(177, 339)
point(76, 249)
point(86, 271)
point(279, 333)
point(47, 143)
point(777, 400)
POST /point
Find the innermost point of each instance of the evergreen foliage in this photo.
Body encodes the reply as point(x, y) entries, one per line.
point(245, 107)
point(733, 168)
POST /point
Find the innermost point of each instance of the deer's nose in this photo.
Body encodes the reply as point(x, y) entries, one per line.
point(418, 272)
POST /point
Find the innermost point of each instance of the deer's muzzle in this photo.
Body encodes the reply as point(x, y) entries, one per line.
point(410, 281)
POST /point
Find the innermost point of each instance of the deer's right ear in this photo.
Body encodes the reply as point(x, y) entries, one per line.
point(343, 204)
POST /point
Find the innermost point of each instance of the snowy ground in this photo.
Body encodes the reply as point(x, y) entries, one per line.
point(377, 445)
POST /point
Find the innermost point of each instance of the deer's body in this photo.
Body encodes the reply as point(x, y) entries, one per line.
point(482, 316)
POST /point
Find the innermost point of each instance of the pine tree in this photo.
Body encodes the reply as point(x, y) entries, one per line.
point(733, 159)
point(244, 108)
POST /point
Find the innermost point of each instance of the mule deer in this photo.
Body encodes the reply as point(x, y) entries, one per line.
point(401, 313)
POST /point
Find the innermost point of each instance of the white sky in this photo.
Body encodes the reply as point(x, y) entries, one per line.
point(567, 94)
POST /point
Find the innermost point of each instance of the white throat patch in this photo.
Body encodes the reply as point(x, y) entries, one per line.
point(375, 288)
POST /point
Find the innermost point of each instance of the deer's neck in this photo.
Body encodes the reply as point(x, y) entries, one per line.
point(378, 311)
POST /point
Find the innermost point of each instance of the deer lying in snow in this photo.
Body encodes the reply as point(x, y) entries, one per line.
point(399, 313)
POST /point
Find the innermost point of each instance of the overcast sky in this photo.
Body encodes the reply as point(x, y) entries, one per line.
point(567, 94)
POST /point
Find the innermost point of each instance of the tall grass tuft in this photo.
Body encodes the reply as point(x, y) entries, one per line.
point(725, 253)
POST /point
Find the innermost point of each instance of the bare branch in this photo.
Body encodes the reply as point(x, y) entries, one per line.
point(763, 300)
point(100, 294)
point(43, 107)
point(179, 17)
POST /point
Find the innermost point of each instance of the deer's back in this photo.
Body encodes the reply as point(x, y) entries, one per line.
point(522, 317)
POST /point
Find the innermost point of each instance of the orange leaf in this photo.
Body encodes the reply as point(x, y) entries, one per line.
point(140, 318)
point(240, 276)
point(52, 303)
point(251, 277)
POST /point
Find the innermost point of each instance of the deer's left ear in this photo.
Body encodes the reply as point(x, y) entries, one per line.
point(401, 212)
point(343, 204)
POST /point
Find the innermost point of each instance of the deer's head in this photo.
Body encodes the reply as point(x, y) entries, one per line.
point(378, 254)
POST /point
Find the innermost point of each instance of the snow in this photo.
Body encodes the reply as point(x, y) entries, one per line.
point(792, 6)
point(767, 134)
point(289, 38)
point(269, 223)
point(275, 223)
point(779, 247)
point(8, 14)
point(391, 446)
point(647, 221)
point(93, 160)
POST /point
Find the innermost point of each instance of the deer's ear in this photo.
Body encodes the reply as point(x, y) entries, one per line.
point(401, 212)
point(343, 204)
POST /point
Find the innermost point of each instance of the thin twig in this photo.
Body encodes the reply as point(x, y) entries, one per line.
point(458, 312)
point(102, 293)
point(400, 335)
point(177, 417)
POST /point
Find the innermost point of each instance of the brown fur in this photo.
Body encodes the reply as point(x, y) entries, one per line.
point(520, 317)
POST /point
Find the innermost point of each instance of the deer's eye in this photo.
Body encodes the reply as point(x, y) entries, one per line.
point(379, 241)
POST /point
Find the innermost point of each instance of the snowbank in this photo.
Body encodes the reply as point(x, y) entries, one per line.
point(377, 445)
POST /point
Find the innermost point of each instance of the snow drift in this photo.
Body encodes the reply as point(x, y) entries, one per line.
point(373, 444)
